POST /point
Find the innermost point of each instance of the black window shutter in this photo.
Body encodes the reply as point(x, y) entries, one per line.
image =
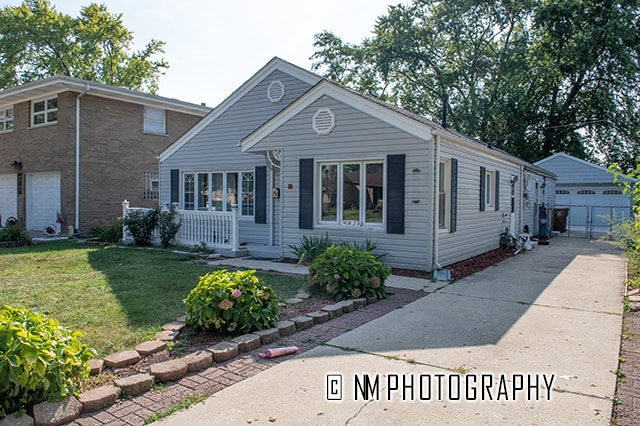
point(395, 194)
point(453, 226)
point(175, 186)
point(483, 176)
point(497, 190)
point(305, 207)
point(260, 195)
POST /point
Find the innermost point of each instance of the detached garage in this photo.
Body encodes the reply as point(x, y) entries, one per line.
point(588, 192)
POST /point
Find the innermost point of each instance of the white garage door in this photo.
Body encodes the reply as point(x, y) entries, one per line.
point(8, 197)
point(43, 199)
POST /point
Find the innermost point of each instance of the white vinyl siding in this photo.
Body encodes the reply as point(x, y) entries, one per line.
point(216, 148)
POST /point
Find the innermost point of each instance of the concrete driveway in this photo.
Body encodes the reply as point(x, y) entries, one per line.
point(534, 340)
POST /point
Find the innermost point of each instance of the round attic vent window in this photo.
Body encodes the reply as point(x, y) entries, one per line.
point(275, 91)
point(324, 120)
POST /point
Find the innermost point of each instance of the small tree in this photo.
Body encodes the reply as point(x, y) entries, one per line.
point(141, 225)
point(168, 227)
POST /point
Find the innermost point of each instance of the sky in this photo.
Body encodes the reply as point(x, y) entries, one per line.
point(214, 46)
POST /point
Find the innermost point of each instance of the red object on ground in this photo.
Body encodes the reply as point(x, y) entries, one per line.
point(272, 353)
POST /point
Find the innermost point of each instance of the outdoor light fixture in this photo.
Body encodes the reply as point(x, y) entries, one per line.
point(16, 164)
point(514, 179)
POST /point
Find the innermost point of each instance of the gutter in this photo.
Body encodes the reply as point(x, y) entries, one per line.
point(77, 218)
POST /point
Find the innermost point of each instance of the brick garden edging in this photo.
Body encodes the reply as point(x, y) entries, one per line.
point(193, 372)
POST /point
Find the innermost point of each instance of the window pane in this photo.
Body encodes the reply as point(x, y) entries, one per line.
point(38, 119)
point(374, 178)
point(52, 116)
point(52, 103)
point(189, 189)
point(203, 191)
point(247, 194)
point(329, 192)
point(10, 113)
point(351, 192)
point(216, 191)
point(232, 190)
point(38, 106)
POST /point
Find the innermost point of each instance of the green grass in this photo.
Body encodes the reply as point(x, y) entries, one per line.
point(117, 297)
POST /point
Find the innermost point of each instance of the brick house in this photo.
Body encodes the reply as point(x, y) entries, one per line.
point(78, 149)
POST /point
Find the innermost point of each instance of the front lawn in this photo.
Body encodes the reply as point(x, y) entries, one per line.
point(117, 297)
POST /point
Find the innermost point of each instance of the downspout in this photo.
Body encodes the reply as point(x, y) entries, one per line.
point(77, 218)
point(521, 197)
point(271, 203)
point(436, 200)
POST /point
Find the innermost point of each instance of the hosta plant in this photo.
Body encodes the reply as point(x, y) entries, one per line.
point(39, 359)
point(345, 272)
point(231, 303)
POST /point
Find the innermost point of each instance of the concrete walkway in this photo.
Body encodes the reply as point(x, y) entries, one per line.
point(484, 350)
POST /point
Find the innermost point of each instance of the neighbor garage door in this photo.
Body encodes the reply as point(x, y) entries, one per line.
point(43, 199)
point(8, 197)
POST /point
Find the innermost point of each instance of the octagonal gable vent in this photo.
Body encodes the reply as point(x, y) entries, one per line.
point(324, 120)
point(275, 91)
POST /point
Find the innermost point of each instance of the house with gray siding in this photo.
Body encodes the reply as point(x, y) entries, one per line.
point(301, 155)
point(588, 192)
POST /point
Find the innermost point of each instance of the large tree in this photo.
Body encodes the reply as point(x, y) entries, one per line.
point(534, 77)
point(37, 41)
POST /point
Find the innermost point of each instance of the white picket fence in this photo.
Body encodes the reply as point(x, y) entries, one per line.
point(215, 229)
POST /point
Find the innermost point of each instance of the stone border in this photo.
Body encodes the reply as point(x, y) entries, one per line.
point(56, 413)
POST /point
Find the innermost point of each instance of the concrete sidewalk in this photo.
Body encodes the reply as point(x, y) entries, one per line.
point(489, 347)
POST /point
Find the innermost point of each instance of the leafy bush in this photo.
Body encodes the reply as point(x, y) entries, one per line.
point(109, 234)
point(231, 302)
point(39, 359)
point(141, 225)
point(167, 226)
point(345, 272)
point(310, 247)
point(14, 233)
point(367, 245)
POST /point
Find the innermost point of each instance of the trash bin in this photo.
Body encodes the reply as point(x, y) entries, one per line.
point(560, 219)
point(542, 221)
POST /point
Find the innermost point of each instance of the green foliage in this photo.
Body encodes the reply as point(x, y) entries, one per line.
point(310, 247)
point(345, 272)
point(167, 226)
point(534, 77)
point(14, 233)
point(109, 234)
point(37, 41)
point(231, 302)
point(141, 224)
point(39, 359)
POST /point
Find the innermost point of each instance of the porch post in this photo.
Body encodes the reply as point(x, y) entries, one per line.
point(234, 230)
point(125, 213)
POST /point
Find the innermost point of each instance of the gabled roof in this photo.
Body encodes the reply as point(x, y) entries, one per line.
point(273, 65)
point(393, 115)
point(570, 169)
point(53, 85)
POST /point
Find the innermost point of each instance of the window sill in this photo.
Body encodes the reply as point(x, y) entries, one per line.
point(38, 126)
point(363, 228)
point(154, 134)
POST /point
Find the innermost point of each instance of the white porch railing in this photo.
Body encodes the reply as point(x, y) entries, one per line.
point(215, 229)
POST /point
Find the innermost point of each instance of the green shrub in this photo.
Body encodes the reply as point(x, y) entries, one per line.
point(345, 272)
point(367, 245)
point(141, 225)
point(310, 247)
point(14, 233)
point(231, 302)
point(39, 359)
point(167, 226)
point(109, 234)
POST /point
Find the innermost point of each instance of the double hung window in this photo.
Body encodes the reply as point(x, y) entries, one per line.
point(44, 111)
